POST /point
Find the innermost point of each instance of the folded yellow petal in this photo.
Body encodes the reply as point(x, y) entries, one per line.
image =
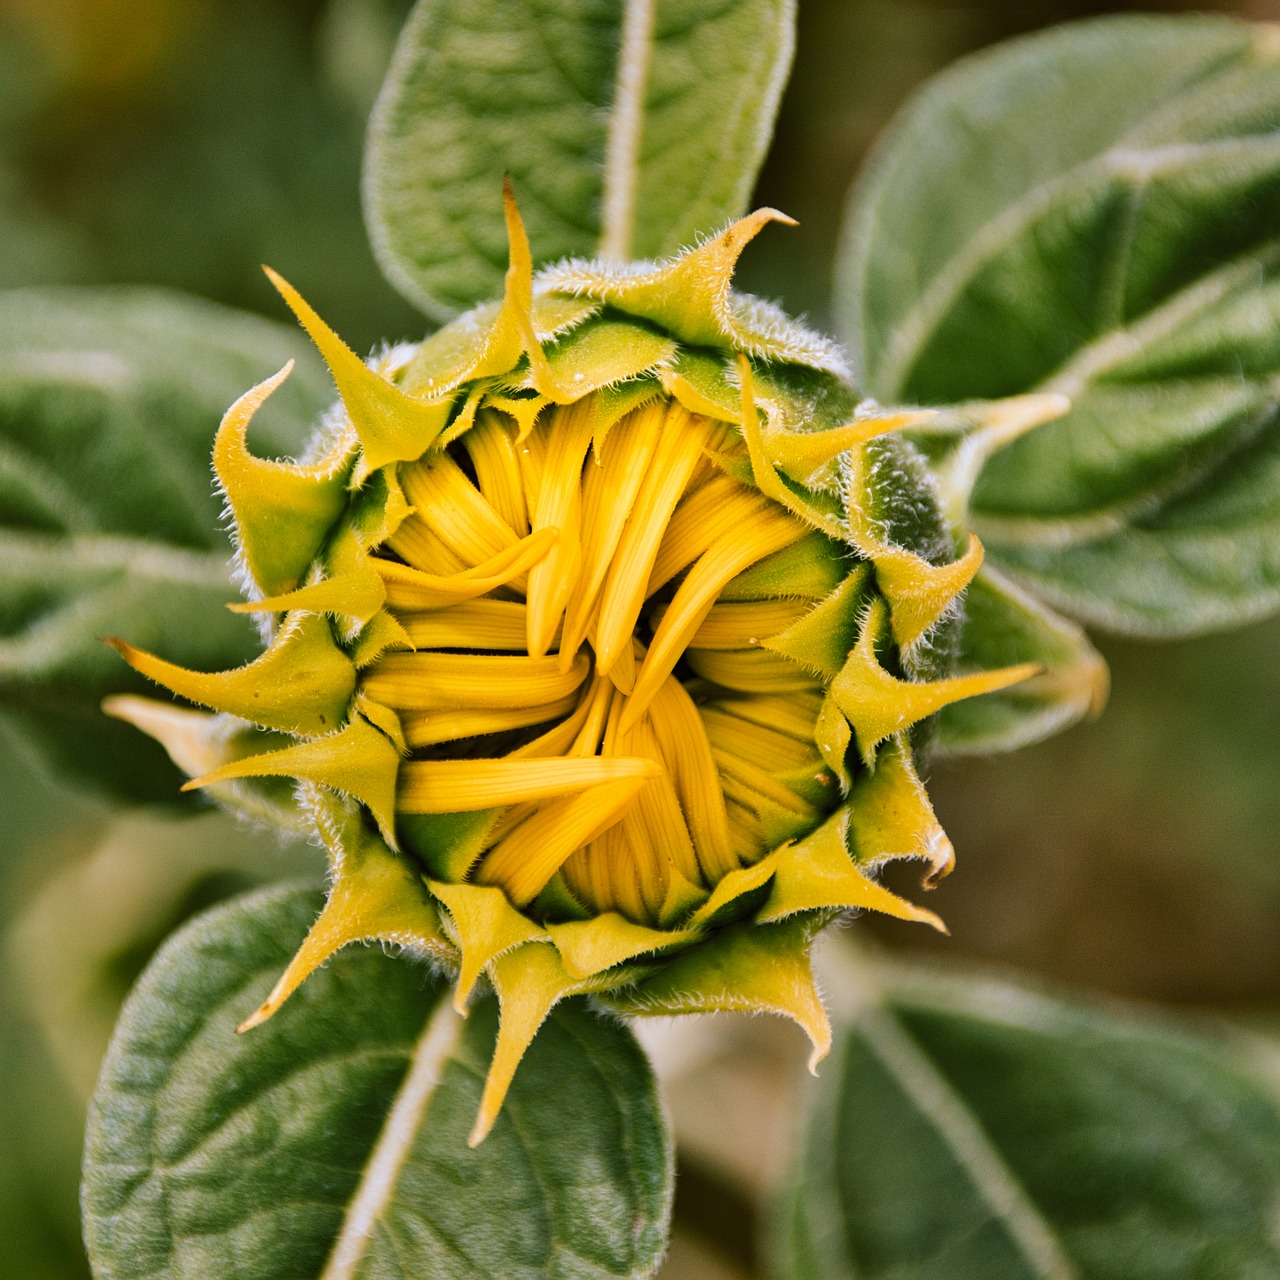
point(679, 447)
point(447, 786)
point(409, 588)
point(467, 681)
point(525, 859)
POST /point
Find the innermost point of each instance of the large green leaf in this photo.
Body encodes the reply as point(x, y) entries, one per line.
point(1094, 211)
point(970, 1130)
point(338, 1130)
point(109, 522)
point(629, 127)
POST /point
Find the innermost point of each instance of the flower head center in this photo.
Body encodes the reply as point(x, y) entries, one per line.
point(587, 598)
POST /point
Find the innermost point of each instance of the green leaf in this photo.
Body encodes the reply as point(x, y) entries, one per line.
point(109, 522)
point(1003, 626)
point(238, 1157)
point(628, 129)
point(1093, 211)
point(964, 1128)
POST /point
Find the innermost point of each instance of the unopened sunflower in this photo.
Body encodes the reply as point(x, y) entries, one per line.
point(603, 628)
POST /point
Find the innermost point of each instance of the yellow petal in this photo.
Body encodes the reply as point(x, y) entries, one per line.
point(455, 510)
point(731, 553)
point(497, 468)
point(751, 671)
point(682, 740)
point(425, 729)
point(679, 449)
point(302, 684)
point(469, 681)
point(558, 506)
point(609, 493)
point(472, 624)
point(742, 625)
point(523, 861)
point(412, 589)
point(445, 786)
point(719, 507)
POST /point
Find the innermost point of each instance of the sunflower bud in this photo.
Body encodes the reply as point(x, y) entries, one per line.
point(602, 627)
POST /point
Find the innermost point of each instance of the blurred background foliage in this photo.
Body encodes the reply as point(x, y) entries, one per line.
point(182, 142)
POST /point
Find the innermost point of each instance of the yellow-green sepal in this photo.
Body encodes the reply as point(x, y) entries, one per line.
point(360, 761)
point(809, 569)
point(200, 741)
point(878, 705)
point(283, 511)
point(599, 354)
point(817, 874)
point(752, 968)
point(588, 947)
point(483, 925)
point(302, 684)
point(447, 843)
point(375, 896)
point(690, 297)
point(890, 815)
point(820, 641)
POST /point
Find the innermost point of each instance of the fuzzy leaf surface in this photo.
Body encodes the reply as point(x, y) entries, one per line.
point(109, 522)
point(635, 163)
point(1093, 211)
point(964, 1129)
point(237, 1157)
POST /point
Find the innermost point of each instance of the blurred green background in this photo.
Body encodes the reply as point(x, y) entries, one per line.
point(183, 142)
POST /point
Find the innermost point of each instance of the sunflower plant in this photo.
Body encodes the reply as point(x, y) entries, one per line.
point(604, 636)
